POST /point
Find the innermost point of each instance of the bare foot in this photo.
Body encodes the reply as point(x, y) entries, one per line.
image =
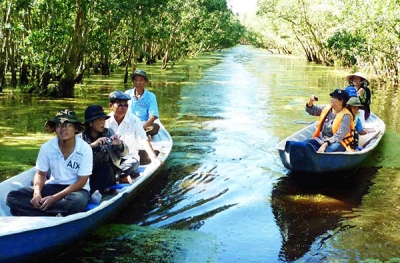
point(126, 180)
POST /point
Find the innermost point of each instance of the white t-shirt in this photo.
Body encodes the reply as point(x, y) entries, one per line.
point(65, 172)
point(131, 131)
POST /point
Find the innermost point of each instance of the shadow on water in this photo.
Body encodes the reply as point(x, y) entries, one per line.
point(307, 206)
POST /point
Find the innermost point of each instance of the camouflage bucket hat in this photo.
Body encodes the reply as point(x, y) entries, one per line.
point(65, 115)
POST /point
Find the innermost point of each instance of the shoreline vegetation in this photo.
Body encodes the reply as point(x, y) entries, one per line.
point(359, 35)
point(49, 46)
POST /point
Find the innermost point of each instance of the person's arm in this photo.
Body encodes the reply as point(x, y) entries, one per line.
point(311, 101)
point(149, 121)
point(38, 181)
point(323, 147)
point(360, 129)
point(152, 111)
point(313, 109)
point(150, 152)
point(49, 201)
point(361, 94)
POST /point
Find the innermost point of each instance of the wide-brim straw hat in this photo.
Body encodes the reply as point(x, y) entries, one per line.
point(357, 74)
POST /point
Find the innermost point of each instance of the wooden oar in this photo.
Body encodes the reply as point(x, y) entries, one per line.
point(303, 122)
point(372, 138)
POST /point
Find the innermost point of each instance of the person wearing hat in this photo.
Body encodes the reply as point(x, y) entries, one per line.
point(130, 129)
point(358, 84)
point(334, 132)
point(143, 103)
point(65, 158)
point(107, 149)
point(354, 104)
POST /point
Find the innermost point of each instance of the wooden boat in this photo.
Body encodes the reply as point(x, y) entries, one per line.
point(303, 158)
point(27, 237)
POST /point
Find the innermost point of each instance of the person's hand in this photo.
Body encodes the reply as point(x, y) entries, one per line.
point(156, 161)
point(323, 147)
point(47, 202)
point(361, 92)
point(36, 200)
point(145, 125)
point(116, 139)
point(100, 141)
point(311, 101)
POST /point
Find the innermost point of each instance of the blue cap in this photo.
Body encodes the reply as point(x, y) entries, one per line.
point(351, 91)
point(118, 95)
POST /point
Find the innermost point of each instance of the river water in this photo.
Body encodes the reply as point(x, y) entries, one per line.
point(223, 195)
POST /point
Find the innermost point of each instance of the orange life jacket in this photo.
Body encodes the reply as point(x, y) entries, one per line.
point(348, 139)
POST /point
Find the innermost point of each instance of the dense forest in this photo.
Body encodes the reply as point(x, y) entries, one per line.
point(43, 42)
point(362, 34)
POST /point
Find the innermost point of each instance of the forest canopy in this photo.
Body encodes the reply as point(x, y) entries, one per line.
point(363, 34)
point(47, 41)
point(43, 42)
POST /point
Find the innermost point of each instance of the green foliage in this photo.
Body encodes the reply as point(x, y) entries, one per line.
point(131, 243)
point(66, 37)
point(346, 47)
point(359, 33)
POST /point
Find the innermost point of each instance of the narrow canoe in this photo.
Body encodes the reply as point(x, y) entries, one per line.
point(27, 237)
point(303, 158)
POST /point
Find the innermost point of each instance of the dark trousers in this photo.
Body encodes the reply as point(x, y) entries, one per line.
point(20, 205)
point(334, 147)
point(152, 129)
point(128, 166)
point(103, 176)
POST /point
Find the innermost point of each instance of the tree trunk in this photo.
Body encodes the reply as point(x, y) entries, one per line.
point(23, 76)
point(105, 69)
point(127, 64)
point(13, 68)
point(4, 46)
point(165, 60)
point(65, 87)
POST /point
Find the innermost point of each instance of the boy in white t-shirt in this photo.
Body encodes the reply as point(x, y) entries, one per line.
point(69, 160)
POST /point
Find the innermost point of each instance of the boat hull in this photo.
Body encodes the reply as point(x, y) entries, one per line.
point(26, 237)
point(302, 158)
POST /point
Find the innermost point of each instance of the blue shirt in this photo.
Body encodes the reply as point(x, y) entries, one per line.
point(143, 107)
point(359, 126)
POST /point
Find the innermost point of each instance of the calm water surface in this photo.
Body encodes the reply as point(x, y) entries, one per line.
point(223, 195)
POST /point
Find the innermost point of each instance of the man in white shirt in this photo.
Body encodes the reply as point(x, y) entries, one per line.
point(68, 159)
point(131, 132)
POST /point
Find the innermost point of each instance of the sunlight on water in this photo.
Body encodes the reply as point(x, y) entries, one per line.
point(223, 185)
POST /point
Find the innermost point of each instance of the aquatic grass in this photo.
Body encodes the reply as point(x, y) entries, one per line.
point(19, 153)
point(131, 243)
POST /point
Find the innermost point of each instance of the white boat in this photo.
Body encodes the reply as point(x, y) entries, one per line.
point(303, 157)
point(26, 237)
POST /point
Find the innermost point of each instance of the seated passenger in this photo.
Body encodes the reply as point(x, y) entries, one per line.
point(131, 131)
point(68, 159)
point(354, 105)
point(358, 84)
point(335, 129)
point(107, 149)
point(143, 103)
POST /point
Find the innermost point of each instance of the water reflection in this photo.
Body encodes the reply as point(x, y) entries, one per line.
point(307, 206)
point(226, 111)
